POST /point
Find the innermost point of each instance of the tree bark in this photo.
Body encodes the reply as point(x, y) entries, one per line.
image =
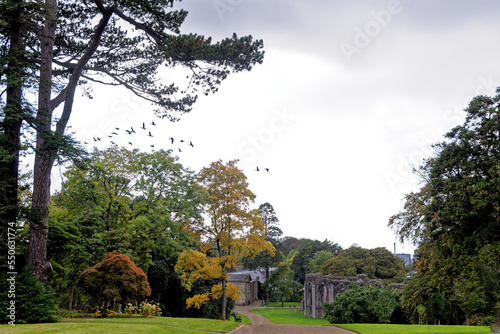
point(44, 158)
point(48, 143)
point(13, 118)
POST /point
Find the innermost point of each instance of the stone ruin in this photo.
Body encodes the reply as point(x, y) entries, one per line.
point(319, 289)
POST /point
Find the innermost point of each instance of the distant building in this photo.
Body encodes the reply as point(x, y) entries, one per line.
point(405, 257)
point(249, 283)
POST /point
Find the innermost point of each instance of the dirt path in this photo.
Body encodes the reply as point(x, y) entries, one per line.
point(261, 325)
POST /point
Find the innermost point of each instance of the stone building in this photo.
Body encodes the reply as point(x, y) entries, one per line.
point(319, 289)
point(249, 283)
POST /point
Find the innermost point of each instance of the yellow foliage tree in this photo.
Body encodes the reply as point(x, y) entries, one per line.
point(230, 231)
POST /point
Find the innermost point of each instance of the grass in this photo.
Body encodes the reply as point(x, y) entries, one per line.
point(125, 325)
point(414, 329)
point(288, 315)
point(285, 304)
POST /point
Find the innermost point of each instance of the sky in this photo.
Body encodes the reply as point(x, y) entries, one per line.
point(349, 98)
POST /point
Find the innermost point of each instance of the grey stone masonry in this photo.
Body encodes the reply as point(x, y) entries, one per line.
point(319, 289)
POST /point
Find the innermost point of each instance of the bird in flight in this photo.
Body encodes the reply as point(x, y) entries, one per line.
point(191, 144)
point(172, 139)
point(130, 143)
point(143, 126)
point(150, 135)
point(153, 123)
point(257, 169)
point(117, 128)
point(128, 131)
point(267, 169)
point(114, 133)
point(152, 145)
point(132, 130)
point(180, 150)
point(112, 142)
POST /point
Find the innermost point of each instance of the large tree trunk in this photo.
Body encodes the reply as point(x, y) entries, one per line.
point(224, 299)
point(44, 157)
point(10, 140)
point(48, 143)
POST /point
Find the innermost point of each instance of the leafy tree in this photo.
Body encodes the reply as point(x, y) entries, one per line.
point(115, 279)
point(280, 286)
point(455, 214)
point(69, 257)
point(316, 263)
point(420, 310)
point(270, 221)
point(469, 294)
point(71, 43)
point(437, 306)
point(376, 263)
point(307, 250)
point(125, 202)
point(289, 244)
point(231, 231)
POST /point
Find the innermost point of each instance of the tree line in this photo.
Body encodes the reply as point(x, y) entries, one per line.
point(454, 220)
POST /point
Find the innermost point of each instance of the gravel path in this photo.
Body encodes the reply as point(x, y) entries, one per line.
point(261, 325)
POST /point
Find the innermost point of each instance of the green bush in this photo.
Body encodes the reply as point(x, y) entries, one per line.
point(362, 304)
point(33, 302)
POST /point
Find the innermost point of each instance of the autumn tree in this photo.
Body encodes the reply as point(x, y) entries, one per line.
point(230, 231)
point(114, 280)
point(132, 44)
point(455, 218)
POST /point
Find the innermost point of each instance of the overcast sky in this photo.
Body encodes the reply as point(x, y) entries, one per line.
point(349, 97)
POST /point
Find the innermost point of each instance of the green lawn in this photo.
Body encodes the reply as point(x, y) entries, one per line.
point(125, 325)
point(289, 316)
point(411, 329)
point(285, 304)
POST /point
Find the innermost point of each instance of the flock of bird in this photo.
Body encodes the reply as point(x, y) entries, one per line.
point(131, 131)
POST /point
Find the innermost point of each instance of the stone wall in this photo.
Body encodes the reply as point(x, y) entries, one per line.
point(319, 289)
point(249, 289)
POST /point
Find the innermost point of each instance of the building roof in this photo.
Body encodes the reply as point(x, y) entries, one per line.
point(237, 277)
point(255, 275)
